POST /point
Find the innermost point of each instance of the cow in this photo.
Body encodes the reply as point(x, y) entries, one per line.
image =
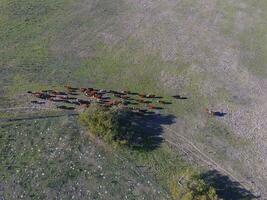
point(142, 95)
point(81, 101)
point(55, 99)
point(163, 102)
point(151, 106)
point(209, 112)
point(143, 101)
point(124, 97)
point(38, 102)
point(125, 92)
point(58, 93)
point(64, 97)
point(83, 89)
point(41, 95)
point(215, 113)
point(150, 96)
point(179, 97)
point(89, 93)
point(97, 96)
point(101, 91)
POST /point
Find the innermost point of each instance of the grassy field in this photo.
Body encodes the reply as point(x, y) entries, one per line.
point(212, 52)
point(58, 161)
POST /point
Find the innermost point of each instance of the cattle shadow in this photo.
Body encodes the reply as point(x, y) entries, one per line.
point(226, 188)
point(38, 102)
point(133, 93)
point(66, 107)
point(73, 93)
point(159, 108)
point(165, 102)
point(130, 103)
point(143, 131)
point(157, 97)
point(179, 97)
point(219, 114)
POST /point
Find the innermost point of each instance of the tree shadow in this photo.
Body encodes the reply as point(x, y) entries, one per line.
point(143, 131)
point(226, 188)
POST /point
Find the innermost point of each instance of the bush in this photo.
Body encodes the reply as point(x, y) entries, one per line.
point(106, 123)
point(121, 126)
point(189, 186)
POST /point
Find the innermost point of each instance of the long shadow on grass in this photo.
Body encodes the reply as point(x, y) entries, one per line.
point(144, 132)
point(36, 117)
point(226, 188)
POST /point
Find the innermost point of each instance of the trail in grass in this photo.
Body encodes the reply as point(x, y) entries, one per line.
point(25, 108)
point(36, 117)
point(195, 151)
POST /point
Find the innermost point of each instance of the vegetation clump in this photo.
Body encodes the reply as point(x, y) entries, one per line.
point(123, 127)
point(107, 124)
point(190, 186)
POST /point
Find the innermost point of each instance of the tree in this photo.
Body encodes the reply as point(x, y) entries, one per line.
point(105, 123)
point(189, 186)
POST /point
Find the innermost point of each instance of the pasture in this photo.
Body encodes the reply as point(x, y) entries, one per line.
point(213, 52)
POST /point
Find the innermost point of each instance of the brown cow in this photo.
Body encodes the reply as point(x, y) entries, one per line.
point(150, 96)
point(83, 89)
point(97, 96)
point(64, 97)
point(142, 95)
point(109, 103)
point(215, 113)
point(209, 112)
point(163, 102)
point(125, 92)
point(151, 106)
point(143, 101)
point(69, 88)
point(90, 92)
point(124, 97)
point(41, 95)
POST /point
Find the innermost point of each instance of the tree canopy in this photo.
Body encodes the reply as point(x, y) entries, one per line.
point(189, 186)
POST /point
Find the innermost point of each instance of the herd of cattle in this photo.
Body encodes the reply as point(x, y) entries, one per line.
point(81, 98)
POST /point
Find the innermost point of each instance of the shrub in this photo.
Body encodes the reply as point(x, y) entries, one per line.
point(189, 186)
point(106, 123)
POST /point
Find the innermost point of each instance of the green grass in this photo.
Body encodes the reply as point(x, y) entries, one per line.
point(223, 145)
point(45, 157)
point(222, 134)
point(228, 23)
point(252, 38)
point(117, 71)
point(163, 162)
point(255, 42)
point(24, 50)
